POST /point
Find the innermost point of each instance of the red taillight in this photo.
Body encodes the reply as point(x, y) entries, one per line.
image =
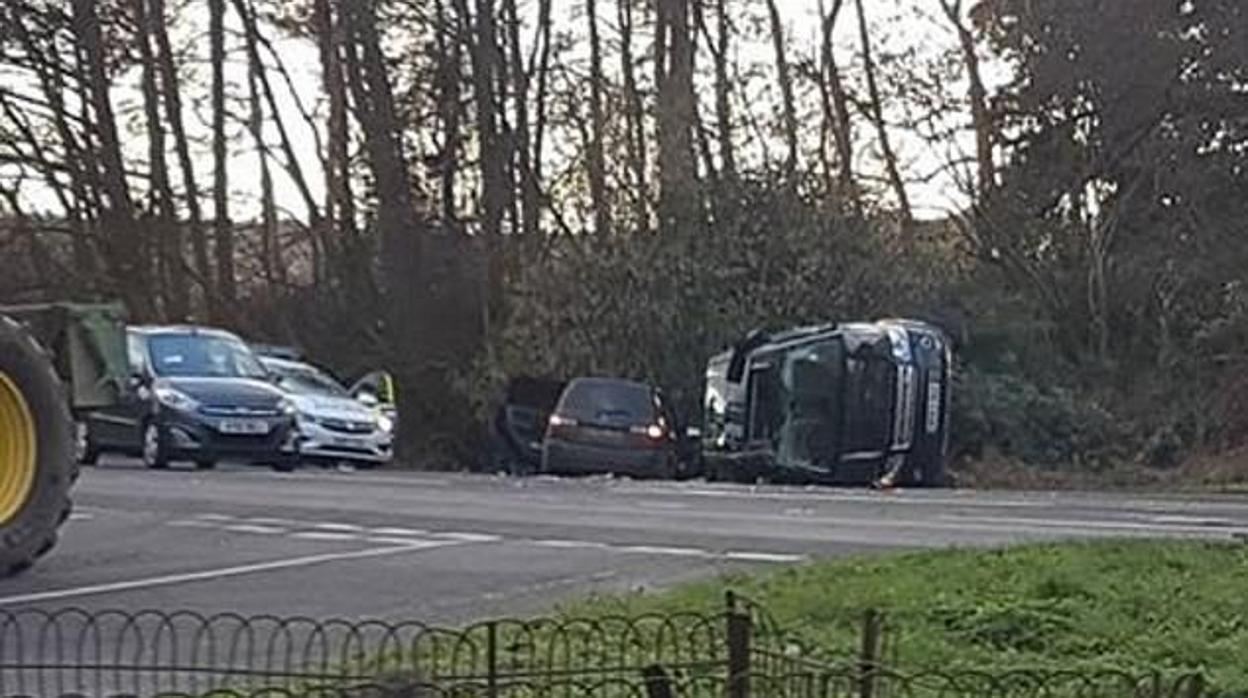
point(560, 425)
point(654, 431)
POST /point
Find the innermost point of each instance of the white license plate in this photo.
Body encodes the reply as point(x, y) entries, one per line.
point(244, 426)
point(339, 441)
point(933, 407)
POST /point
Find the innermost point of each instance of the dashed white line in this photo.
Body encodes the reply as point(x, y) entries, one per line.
point(81, 516)
point(467, 537)
point(193, 523)
point(253, 528)
point(663, 550)
point(214, 517)
point(334, 526)
point(396, 531)
point(568, 544)
point(413, 544)
point(205, 575)
point(746, 556)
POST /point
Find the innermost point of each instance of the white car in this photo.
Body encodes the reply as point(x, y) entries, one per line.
point(333, 426)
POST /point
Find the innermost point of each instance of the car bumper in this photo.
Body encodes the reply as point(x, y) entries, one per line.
point(200, 437)
point(562, 457)
point(316, 441)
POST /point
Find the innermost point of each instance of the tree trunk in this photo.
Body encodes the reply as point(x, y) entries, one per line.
point(530, 201)
point(786, 92)
point(981, 119)
point(173, 112)
point(223, 231)
point(634, 116)
point(678, 210)
point(123, 240)
point(877, 115)
point(836, 107)
point(723, 92)
point(597, 154)
point(270, 262)
point(449, 78)
point(168, 236)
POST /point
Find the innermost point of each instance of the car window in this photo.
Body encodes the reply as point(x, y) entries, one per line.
point(307, 380)
point(136, 354)
point(202, 356)
point(606, 399)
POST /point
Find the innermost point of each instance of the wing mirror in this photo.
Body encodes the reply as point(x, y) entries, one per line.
point(367, 398)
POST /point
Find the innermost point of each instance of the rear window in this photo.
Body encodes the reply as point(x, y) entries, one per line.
point(603, 399)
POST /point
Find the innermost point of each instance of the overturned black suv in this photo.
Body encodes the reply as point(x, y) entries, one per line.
point(854, 403)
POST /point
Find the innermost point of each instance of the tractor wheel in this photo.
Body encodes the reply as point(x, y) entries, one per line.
point(36, 452)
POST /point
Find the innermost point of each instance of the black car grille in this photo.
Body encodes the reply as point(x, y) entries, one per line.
point(346, 426)
point(238, 411)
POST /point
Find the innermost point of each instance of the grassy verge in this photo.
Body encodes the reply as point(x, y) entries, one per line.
point(1138, 606)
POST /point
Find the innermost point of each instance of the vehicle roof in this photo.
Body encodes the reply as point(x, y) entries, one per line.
point(284, 363)
point(602, 380)
point(181, 329)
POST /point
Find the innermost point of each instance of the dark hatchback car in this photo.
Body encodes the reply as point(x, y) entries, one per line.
point(608, 425)
point(198, 395)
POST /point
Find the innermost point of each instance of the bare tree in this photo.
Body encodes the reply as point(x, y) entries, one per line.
point(977, 95)
point(223, 228)
point(836, 105)
point(173, 113)
point(634, 116)
point(597, 155)
point(123, 239)
point(876, 108)
point(168, 237)
point(723, 87)
point(785, 79)
point(676, 116)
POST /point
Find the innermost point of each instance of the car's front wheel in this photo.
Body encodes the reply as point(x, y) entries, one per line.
point(155, 452)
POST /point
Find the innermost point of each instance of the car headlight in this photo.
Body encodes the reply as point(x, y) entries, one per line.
point(385, 424)
point(287, 407)
point(176, 399)
point(900, 341)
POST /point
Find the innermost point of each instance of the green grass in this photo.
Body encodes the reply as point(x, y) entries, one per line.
point(1136, 606)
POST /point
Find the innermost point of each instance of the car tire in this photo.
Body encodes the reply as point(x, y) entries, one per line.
point(205, 464)
point(86, 450)
point(285, 465)
point(154, 449)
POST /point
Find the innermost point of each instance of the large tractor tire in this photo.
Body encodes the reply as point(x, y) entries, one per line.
point(36, 450)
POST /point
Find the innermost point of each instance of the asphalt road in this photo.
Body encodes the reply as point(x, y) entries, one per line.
point(448, 548)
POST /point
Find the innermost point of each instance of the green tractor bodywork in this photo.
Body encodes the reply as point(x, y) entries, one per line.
point(55, 360)
point(87, 344)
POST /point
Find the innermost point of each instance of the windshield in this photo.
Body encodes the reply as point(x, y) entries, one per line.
point(616, 400)
point(306, 380)
point(202, 356)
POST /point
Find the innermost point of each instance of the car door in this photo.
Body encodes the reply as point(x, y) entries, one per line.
point(120, 426)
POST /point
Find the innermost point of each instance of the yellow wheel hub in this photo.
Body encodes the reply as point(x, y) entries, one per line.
point(19, 449)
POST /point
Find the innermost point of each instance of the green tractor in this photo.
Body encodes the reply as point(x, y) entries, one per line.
point(55, 360)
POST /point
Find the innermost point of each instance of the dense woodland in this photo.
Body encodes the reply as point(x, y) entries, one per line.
point(487, 188)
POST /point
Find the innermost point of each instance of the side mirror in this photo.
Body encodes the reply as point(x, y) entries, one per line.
point(135, 381)
point(367, 398)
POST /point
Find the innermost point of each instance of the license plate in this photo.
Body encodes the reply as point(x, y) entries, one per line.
point(244, 426)
point(338, 441)
point(933, 407)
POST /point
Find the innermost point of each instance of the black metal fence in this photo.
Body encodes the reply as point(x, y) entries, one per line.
point(737, 652)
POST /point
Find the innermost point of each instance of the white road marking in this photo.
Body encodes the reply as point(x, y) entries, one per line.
point(568, 544)
point(253, 528)
point(333, 526)
point(467, 537)
point(747, 556)
point(268, 521)
point(414, 544)
point(214, 517)
point(81, 516)
point(1194, 520)
point(395, 531)
point(206, 575)
point(1088, 524)
point(324, 535)
point(662, 550)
